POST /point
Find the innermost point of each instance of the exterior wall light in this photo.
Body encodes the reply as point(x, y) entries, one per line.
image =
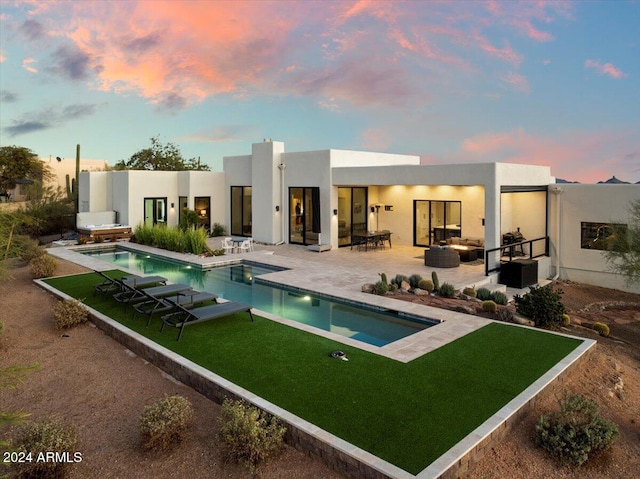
point(335, 212)
point(277, 207)
point(172, 205)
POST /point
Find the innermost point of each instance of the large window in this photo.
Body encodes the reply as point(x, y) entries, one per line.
point(241, 210)
point(599, 235)
point(203, 208)
point(155, 211)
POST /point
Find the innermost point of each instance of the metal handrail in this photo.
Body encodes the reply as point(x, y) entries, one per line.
point(512, 252)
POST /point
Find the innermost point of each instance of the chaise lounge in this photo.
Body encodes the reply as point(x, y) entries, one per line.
point(185, 317)
point(114, 285)
point(157, 304)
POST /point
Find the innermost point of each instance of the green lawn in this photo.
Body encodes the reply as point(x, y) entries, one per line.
point(407, 414)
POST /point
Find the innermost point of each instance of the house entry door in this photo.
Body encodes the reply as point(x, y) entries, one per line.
point(155, 211)
point(304, 215)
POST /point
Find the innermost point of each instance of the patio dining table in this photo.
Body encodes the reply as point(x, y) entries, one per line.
point(375, 238)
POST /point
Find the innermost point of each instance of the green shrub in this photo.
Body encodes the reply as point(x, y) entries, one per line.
point(43, 266)
point(393, 287)
point(483, 294)
point(380, 288)
point(566, 320)
point(143, 234)
point(165, 422)
point(542, 305)
point(602, 329)
point(436, 281)
point(575, 431)
point(217, 252)
point(469, 291)
point(426, 284)
point(189, 219)
point(499, 297)
point(414, 280)
point(489, 306)
point(383, 278)
point(218, 230)
point(399, 278)
point(195, 241)
point(447, 290)
point(69, 313)
point(248, 435)
point(47, 436)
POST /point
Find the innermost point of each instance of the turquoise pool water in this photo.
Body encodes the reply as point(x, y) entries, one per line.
point(238, 283)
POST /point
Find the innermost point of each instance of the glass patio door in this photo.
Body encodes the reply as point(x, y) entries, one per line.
point(155, 211)
point(304, 215)
point(241, 211)
point(436, 221)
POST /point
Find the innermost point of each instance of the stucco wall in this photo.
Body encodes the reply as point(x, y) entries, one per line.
point(588, 203)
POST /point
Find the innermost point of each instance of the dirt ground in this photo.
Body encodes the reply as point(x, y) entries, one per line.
point(90, 380)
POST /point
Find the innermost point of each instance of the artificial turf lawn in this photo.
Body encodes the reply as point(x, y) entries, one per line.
point(407, 414)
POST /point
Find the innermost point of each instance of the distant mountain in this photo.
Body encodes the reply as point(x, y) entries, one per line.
point(560, 180)
point(614, 180)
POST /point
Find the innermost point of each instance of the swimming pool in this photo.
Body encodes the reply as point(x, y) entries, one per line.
point(239, 283)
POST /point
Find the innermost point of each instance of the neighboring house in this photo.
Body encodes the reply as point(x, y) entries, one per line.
point(60, 170)
point(325, 196)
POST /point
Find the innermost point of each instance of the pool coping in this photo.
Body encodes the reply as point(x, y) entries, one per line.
point(338, 453)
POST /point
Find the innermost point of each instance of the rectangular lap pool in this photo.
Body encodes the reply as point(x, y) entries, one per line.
point(238, 283)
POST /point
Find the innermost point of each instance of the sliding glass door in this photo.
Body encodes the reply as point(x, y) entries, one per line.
point(436, 221)
point(352, 212)
point(241, 210)
point(304, 215)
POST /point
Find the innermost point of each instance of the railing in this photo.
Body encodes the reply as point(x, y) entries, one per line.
point(530, 249)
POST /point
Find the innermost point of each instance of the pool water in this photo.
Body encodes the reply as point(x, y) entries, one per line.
point(238, 283)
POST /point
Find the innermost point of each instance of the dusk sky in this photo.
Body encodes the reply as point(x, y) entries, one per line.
point(552, 83)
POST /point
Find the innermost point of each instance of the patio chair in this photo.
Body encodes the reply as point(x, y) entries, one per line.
point(185, 317)
point(245, 246)
point(132, 294)
point(114, 285)
point(227, 245)
point(155, 304)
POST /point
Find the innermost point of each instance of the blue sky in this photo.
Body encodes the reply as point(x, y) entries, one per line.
point(540, 82)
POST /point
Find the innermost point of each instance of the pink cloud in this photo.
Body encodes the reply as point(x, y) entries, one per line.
point(506, 53)
point(375, 139)
point(517, 81)
point(26, 64)
point(584, 156)
point(606, 69)
point(2, 57)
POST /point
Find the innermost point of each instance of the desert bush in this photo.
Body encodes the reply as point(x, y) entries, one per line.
point(195, 241)
point(602, 329)
point(47, 436)
point(189, 219)
point(165, 422)
point(575, 431)
point(399, 278)
point(69, 313)
point(483, 294)
point(504, 314)
point(380, 288)
point(566, 320)
point(217, 252)
point(499, 297)
point(218, 230)
point(447, 290)
point(27, 247)
point(489, 306)
point(393, 287)
point(414, 280)
point(542, 305)
point(436, 281)
point(383, 278)
point(143, 234)
point(426, 284)
point(43, 266)
point(248, 435)
point(469, 291)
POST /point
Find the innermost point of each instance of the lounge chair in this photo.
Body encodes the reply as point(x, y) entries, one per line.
point(185, 317)
point(154, 304)
point(133, 294)
point(113, 285)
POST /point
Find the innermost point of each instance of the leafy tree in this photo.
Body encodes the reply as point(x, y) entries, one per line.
point(623, 254)
point(17, 162)
point(160, 157)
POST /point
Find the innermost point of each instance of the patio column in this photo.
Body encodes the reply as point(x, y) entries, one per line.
point(492, 237)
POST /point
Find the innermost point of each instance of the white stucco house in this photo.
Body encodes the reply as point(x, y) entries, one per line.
point(328, 196)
